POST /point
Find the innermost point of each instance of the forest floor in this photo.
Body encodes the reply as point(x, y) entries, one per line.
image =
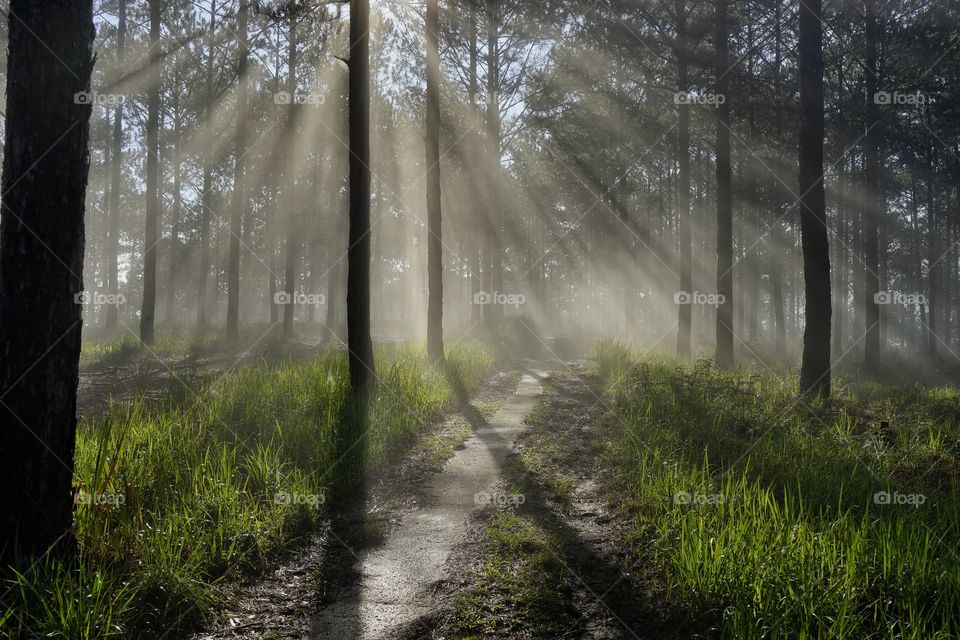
point(124, 370)
point(337, 585)
point(508, 537)
point(552, 564)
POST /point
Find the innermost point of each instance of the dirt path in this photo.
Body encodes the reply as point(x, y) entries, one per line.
point(564, 538)
point(397, 578)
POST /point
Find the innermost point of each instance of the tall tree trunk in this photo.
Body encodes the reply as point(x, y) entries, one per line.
point(871, 152)
point(173, 271)
point(113, 225)
point(206, 198)
point(239, 187)
point(476, 284)
point(434, 243)
point(152, 236)
point(933, 254)
point(41, 266)
point(290, 245)
point(685, 321)
point(493, 311)
point(815, 369)
point(776, 256)
point(359, 339)
point(840, 270)
point(724, 196)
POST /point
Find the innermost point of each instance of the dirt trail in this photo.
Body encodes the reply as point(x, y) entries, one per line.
point(397, 578)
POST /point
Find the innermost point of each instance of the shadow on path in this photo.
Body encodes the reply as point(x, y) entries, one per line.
point(380, 576)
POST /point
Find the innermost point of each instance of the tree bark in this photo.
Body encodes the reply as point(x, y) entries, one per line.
point(290, 245)
point(871, 154)
point(434, 214)
point(111, 319)
point(725, 356)
point(173, 272)
point(685, 320)
point(493, 313)
point(45, 167)
point(152, 236)
point(206, 198)
point(359, 339)
point(815, 369)
point(239, 187)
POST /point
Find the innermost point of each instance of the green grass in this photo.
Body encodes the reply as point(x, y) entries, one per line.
point(126, 347)
point(513, 590)
point(175, 496)
point(761, 511)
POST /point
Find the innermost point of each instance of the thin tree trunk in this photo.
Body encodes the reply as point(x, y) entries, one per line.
point(173, 272)
point(238, 204)
point(113, 226)
point(872, 213)
point(685, 320)
point(41, 265)
point(291, 243)
point(494, 312)
point(933, 253)
point(476, 284)
point(776, 256)
point(434, 220)
point(206, 198)
point(152, 236)
point(725, 356)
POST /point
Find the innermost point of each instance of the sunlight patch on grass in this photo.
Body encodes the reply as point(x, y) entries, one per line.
point(773, 519)
point(174, 496)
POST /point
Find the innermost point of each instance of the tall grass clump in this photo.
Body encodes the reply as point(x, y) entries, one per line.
point(173, 497)
point(773, 519)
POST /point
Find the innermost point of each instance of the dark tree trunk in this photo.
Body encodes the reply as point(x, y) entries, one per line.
point(45, 166)
point(815, 369)
point(493, 313)
point(871, 154)
point(173, 273)
point(113, 225)
point(291, 243)
point(359, 339)
point(685, 320)
point(434, 243)
point(933, 255)
point(206, 198)
point(476, 284)
point(725, 358)
point(239, 196)
point(840, 269)
point(152, 236)
point(776, 256)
